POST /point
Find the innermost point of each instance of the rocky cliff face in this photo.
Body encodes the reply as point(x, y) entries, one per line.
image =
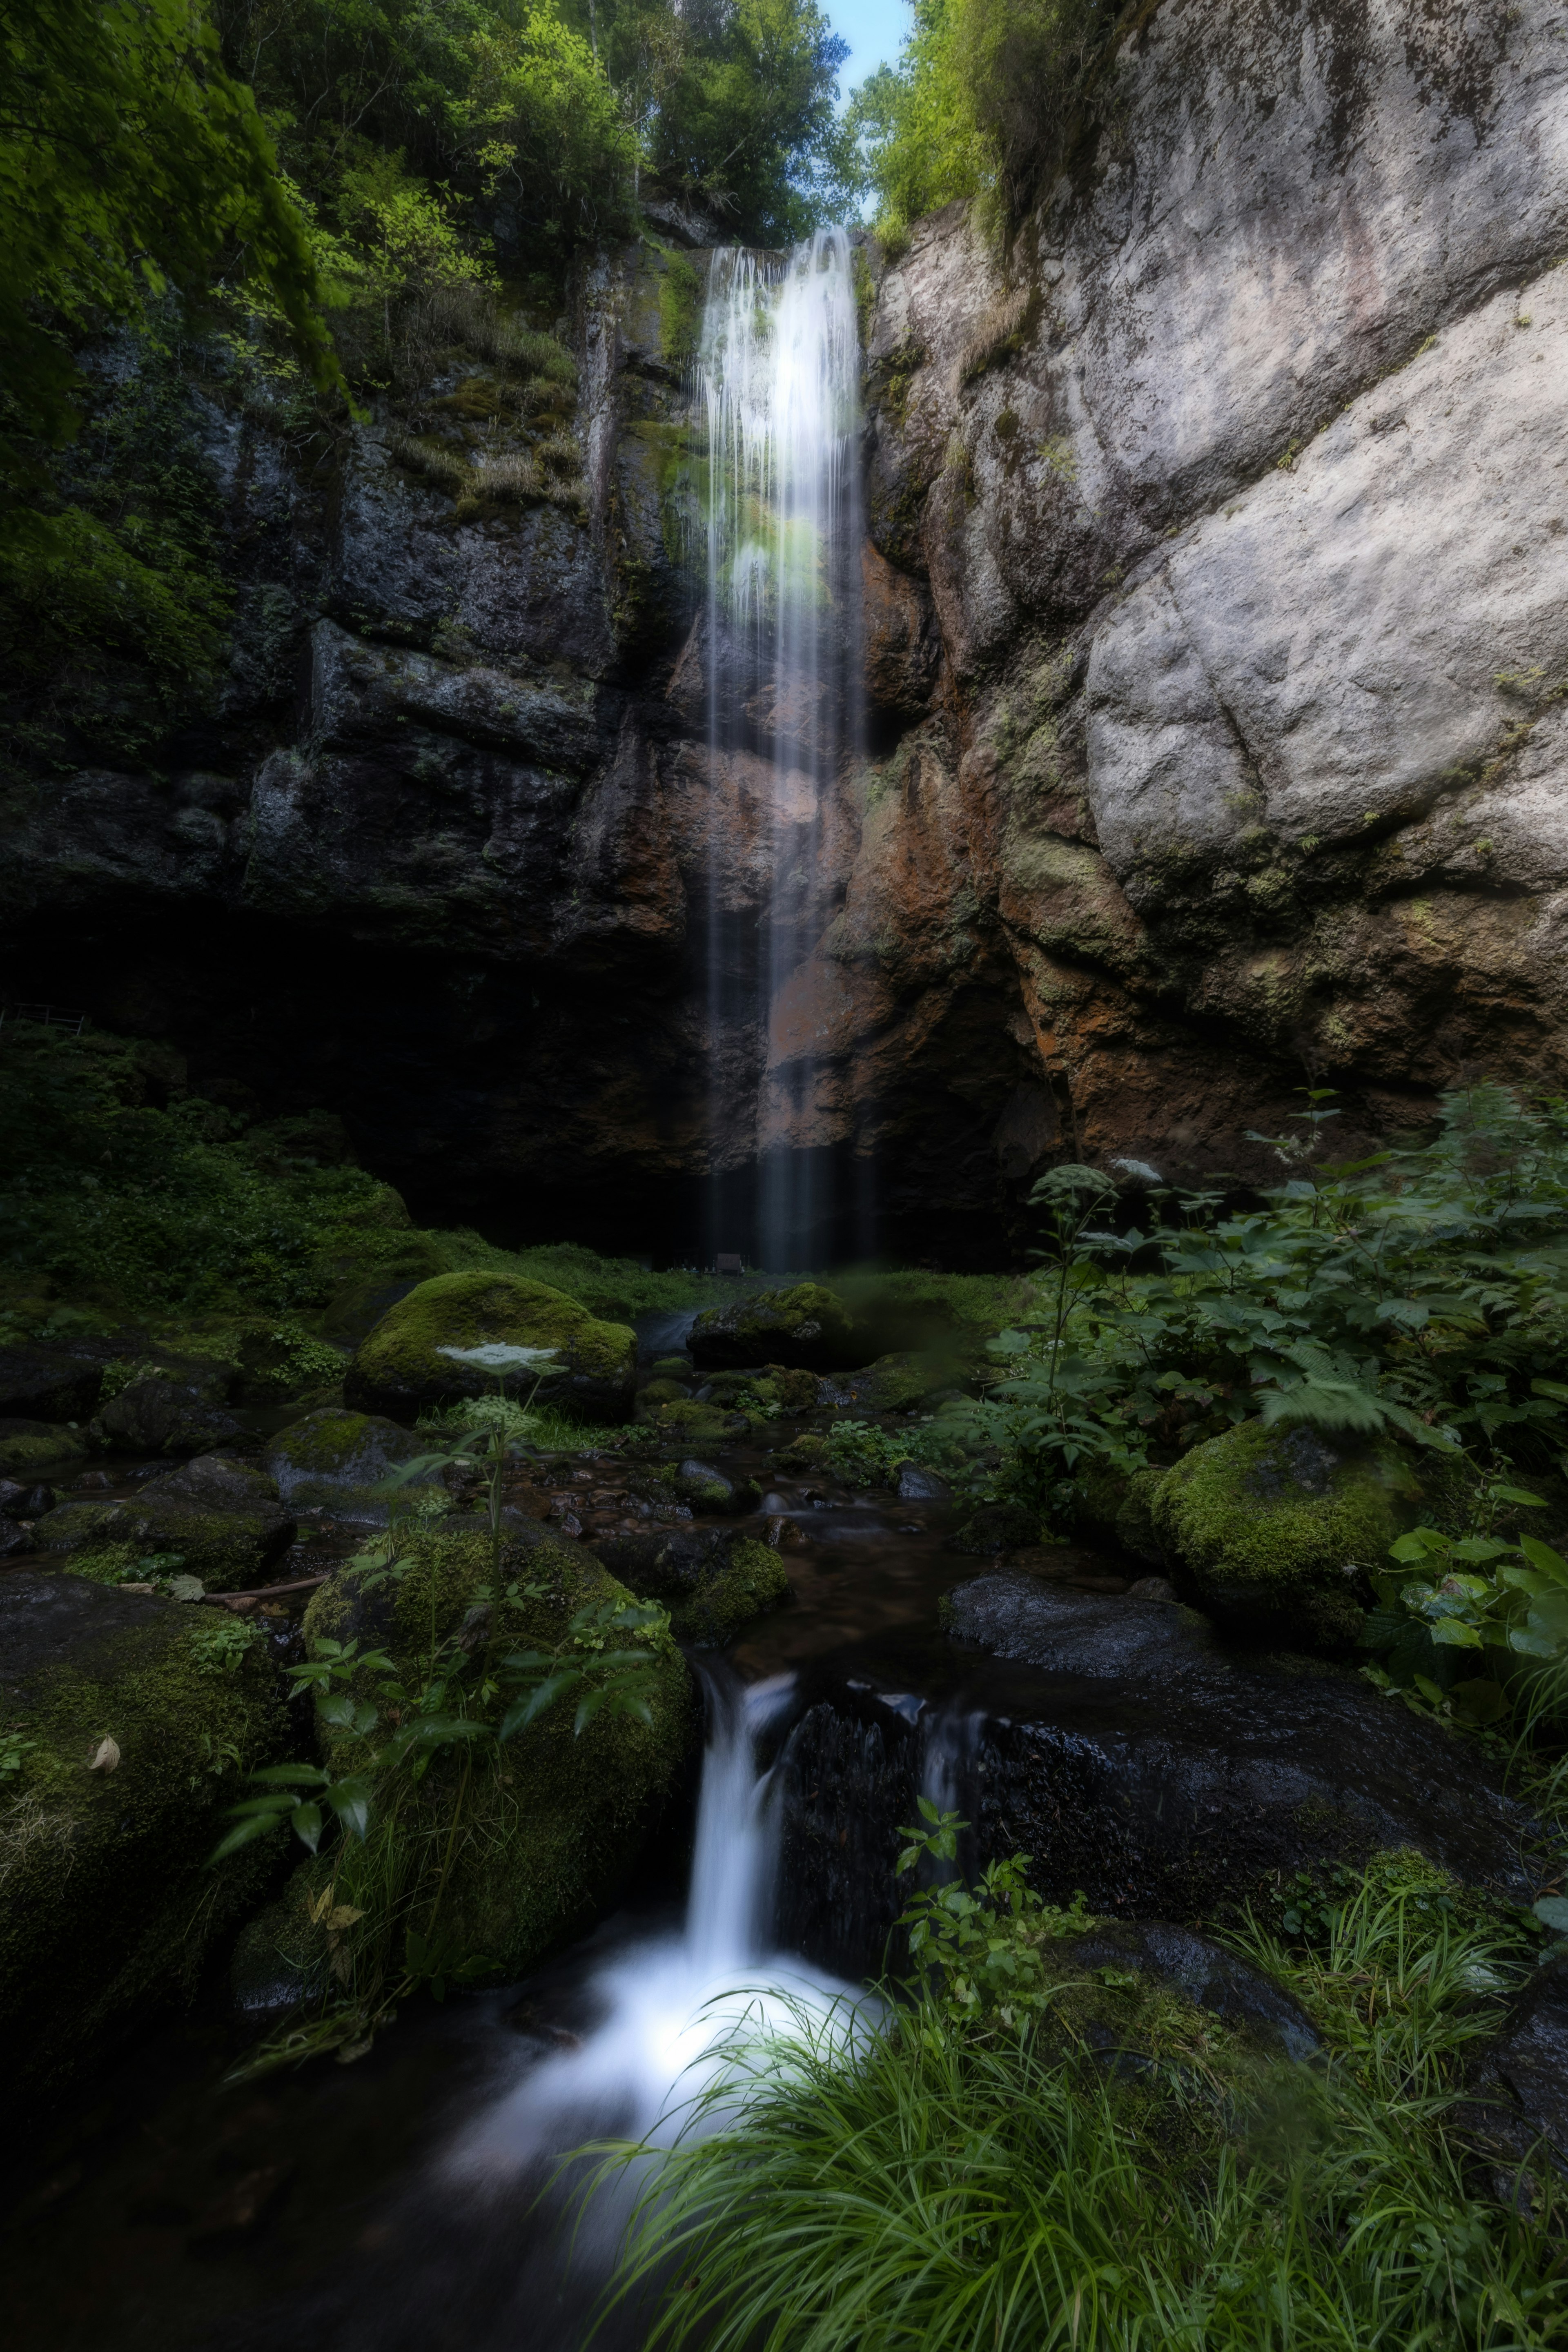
point(1217, 628)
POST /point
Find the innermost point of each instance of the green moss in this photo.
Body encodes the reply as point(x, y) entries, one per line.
point(660, 1392)
point(400, 1368)
point(1272, 1528)
point(110, 1905)
point(71, 1526)
point(539, 1832)
point(680, 297)
point(686, 1418)
point(27, 1447)
point(806, 1322)
point(755, 1581)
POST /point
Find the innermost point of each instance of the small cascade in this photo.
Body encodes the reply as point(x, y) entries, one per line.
point(779, 379)
point(666, 2004)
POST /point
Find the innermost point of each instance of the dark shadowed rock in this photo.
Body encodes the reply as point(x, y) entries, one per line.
point(711, 1581)
point(13, 1538)
point(29, 1446)
point(162, 1417)
point(36, 1384)
point(335, 1461)
point(1205, 1973)
point(222, 1517)
point(805, 1326)
point(1520, 2078)
point(1132, 1755)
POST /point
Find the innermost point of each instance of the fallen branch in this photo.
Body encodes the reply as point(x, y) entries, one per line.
point(244, 1603)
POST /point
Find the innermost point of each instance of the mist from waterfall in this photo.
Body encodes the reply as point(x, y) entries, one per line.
point(779, 370)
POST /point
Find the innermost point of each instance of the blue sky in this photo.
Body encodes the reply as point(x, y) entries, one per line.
point(874, 29)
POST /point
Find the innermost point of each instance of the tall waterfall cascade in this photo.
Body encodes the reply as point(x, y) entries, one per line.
point(778, 378)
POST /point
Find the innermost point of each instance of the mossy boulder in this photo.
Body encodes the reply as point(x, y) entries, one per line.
point(763, 1395)
point(222, 1518)
point(28, 1447)
point(657, 1393)
point(547, 1826)
point(110, 1905)
point(400, 1369)
point(806, 1326)
point(712, 1581)
point(334, 1460)
point(684, 1418)
point(892, 1383)
point(1273, 1531)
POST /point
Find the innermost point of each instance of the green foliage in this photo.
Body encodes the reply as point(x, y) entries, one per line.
point(143, 1206)
point(986, 99)
point(866, 1454)
point(977, 1952)
point(544, 126)
point(1417, 1295)
point(681, 295)
point(129, 160)
point(936, 2184)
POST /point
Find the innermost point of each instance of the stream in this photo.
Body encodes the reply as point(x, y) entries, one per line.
point(393, 2203)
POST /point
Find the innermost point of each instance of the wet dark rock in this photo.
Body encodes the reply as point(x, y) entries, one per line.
point(1205, 1973)
point(154, 1415)
point(1134, 1756)
point(996, 1526)
point(13, 1538)
point(1519, 2081)
point(918, 1486)
point(708, 1489)
point(38, 1384)
point(25, 1502)
point(711, 1581)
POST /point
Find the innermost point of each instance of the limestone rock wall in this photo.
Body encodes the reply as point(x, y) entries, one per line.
point(1240, 493)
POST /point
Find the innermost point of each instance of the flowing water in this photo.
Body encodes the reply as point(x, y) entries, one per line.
point(779, 372)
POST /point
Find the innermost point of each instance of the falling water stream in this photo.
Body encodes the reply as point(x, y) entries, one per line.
point(779, 380)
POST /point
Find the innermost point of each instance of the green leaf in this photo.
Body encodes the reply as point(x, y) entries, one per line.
point(1552, 1910)
point(306, 1822)
point(1541, 1555)
point(1453, 1634)
point(244, 1833)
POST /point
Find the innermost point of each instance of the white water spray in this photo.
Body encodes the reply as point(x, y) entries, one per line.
point(779, 370)
point(668, 2004)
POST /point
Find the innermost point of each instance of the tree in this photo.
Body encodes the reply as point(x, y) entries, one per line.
point(131, 160)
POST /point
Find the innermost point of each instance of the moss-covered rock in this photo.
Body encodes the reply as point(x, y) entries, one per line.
point(546, 1826)
point(712, 1582)
point(804, 1327)
point(334, 1460)
point(27, 1447)
point(684, 1418)
point(222, 1518)
point(109, 1905)
point(893, 1383)
point(657, 1393)
point(1272, 1530)
point(69, 1526)
point(399, 1370)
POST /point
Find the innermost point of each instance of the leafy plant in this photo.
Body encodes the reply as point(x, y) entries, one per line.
point(978, 1950)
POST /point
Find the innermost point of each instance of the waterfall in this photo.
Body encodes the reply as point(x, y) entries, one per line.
point(779, 381)
point(667, 2003)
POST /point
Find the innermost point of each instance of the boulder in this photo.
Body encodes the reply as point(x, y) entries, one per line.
point(38, 1384)
point(29, 1446)
point(711, 1581)
point(25, 1502)
point(806, 1326)
point(140, 1721)
point(400, 1369)
point(69, 1526)
point(891, 1384)
point(1117, 1507)
point(763, 1395)
point(158, 1415)
point(1272, 1530)
point(1519, 2078)
point(684, 1417)
point(551, 1821)
point(1173, 1959)
point(334, 1460)
point(15, 1539)
point(917, 1485)
point(708, 1489)
point(1133, 1755)
point(222, 1518)
point(996, 1526)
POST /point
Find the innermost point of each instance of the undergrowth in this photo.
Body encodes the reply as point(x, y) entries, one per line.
point(953, 2180)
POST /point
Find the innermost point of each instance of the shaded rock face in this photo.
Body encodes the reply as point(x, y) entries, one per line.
point(1520, 2078)
point(1215, 628)
point(1131, 1755)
